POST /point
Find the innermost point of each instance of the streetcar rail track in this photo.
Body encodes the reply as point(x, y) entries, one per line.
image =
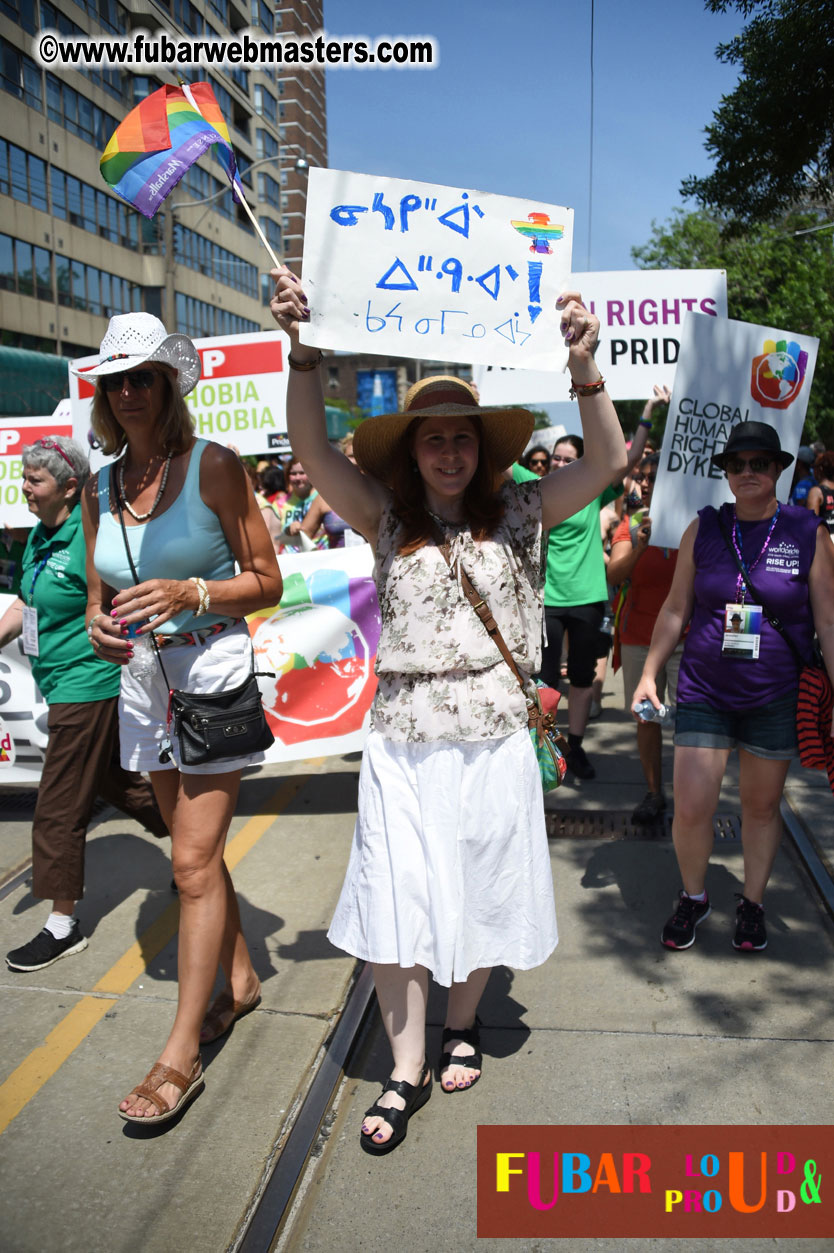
point(271, 1207)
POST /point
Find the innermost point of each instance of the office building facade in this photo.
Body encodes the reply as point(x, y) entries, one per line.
point(72, 253)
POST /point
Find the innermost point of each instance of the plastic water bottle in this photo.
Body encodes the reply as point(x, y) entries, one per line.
point(646, 712)
point(143, 662)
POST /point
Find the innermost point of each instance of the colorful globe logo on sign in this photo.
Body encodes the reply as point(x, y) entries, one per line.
point(320, 644)
point(778, 373)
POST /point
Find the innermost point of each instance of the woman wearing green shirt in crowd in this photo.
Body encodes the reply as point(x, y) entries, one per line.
point(576, 593)
point(82, 755)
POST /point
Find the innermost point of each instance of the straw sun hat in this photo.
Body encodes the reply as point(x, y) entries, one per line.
point(376, 442)
point(135, 339)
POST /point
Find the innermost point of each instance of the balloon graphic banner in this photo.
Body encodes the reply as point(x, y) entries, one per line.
point(320, 644)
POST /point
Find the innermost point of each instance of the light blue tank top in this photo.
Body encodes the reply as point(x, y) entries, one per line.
point(185, 541)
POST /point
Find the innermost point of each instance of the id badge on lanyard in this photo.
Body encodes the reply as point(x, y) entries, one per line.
point(742, 635)
point(742, 631)
point(30, 614)
point(30, 631)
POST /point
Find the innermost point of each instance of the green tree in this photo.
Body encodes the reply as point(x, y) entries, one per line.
point(776, 276)
point(772, 138)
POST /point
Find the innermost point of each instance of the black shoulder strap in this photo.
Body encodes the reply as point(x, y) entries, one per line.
point(117, 496)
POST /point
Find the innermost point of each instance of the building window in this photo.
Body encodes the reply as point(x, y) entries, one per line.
point(265, 103)
point(269, 191)
point(21, 77)
point(266, 145)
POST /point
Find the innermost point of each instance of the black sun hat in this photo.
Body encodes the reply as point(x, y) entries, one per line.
point(753, 437)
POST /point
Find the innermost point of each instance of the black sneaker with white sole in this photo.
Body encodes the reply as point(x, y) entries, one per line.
point(46, 949)
point(679, 931)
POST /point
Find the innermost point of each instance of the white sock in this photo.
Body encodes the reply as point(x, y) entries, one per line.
point(700, 897)
point(60, 925)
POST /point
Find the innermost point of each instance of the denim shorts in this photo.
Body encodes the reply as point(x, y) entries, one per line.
point(766, 731)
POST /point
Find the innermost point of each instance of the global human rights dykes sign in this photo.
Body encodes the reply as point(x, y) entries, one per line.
point(729, 372)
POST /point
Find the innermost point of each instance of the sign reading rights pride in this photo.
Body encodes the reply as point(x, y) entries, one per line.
point(241, 397)
point(414, 269)
point(641, 315)
point(729, 372)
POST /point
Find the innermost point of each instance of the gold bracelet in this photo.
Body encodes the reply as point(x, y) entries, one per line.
point(586, 389)
point(305, 365)
point(203, 594)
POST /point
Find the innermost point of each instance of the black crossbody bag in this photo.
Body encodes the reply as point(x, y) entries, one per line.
point(210, 726)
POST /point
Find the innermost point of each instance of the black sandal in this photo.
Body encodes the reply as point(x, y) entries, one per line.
point(415, 1096)
point(474, 1061)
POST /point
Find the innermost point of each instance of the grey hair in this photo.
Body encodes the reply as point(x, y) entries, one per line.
point(36, 457)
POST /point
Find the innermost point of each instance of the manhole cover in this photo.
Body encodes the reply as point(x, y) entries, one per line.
point(606, 824)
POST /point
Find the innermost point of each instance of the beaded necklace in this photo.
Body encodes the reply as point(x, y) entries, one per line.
point(140, 517)
point(748, 569)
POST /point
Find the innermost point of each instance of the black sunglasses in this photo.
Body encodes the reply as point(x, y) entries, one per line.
point(538, 461)
point(736, 465)
point(644, 478)
point(138, 379)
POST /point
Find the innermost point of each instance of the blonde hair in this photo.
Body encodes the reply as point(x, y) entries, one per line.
point(176, 426)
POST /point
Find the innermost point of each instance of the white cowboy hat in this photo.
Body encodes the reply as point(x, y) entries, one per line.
point(133, 339)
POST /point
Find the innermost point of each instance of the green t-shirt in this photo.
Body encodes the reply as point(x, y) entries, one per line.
point(54, 580)
point(575, 565)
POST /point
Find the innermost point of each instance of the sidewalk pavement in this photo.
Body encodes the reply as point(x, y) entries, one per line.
point(612, 1029)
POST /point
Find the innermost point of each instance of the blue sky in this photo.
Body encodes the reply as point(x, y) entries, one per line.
point(508, 109)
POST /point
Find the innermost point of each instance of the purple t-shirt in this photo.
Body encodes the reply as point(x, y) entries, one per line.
point(781, 578)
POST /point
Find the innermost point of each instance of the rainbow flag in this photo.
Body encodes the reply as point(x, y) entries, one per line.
point(151, 150)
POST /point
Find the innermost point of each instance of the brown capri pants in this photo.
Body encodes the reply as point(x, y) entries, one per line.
point(82, 763)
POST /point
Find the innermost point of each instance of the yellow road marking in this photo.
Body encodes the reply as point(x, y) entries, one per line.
point(42, 1063)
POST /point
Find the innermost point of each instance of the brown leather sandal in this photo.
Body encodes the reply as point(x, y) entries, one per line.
point(158, 1074)
point(223, 1013)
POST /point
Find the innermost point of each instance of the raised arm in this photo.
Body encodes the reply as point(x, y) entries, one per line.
point(660, 396)
point(355, 497)
point(566, 491)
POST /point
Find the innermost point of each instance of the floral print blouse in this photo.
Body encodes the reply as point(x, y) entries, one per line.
point(440, 675)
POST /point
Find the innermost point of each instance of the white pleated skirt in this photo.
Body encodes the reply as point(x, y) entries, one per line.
point(449, 867)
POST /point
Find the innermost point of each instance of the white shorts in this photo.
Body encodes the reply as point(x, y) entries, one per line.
point(223, 661)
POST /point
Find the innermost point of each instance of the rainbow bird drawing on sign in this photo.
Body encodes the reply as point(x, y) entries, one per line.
point(540, 230)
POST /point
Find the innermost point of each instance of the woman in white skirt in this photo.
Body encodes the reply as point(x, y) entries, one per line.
point(449, 870)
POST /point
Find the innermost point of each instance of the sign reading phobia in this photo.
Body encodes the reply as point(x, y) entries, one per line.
point(15, 434)
point(418, 270)
point(241, 398)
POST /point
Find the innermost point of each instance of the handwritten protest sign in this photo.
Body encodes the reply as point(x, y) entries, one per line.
point(319, 644)
point(729, 372)
point(241, 397)
point(641, 315)
point(15, 433)
point(419, 270)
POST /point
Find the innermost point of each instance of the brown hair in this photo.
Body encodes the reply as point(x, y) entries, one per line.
point(175, 423)
point(824, 465)
point(482, 505)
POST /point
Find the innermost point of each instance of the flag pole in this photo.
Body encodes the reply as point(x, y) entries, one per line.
point(237, 185)
point(238, 189)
